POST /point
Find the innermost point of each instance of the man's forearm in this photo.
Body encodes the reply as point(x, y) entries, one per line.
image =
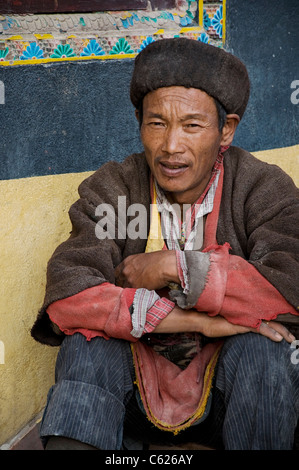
point(184, 321)
point(179, 321)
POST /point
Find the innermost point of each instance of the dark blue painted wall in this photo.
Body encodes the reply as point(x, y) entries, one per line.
point(265, 35)
point(74, 116)
point(65, 117)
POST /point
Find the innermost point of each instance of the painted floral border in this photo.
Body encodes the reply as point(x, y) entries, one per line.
point(50, 49)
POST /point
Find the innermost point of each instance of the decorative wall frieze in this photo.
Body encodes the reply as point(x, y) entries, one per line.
point(41, 38)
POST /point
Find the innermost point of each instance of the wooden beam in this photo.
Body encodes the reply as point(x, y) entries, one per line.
point(63, 6)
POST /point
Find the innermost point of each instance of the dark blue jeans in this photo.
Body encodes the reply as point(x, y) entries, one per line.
point(255, 398)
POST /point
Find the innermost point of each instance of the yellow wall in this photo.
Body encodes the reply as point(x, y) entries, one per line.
point(34, 220)
point(287, 158)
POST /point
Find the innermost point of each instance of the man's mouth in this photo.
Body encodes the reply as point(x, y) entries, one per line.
point(172, 166)
point(172, 169)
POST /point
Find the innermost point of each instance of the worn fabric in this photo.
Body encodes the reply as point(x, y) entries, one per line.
point(174, 377)
point(106, 403)
point(93, 385)
point(259, 381)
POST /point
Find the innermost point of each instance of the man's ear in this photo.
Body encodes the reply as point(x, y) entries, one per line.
point(138, 116)
point(229, 129)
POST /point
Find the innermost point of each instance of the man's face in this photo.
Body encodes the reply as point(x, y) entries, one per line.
point(181, 140)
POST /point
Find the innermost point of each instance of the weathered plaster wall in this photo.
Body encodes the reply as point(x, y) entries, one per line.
point(33, 221)
point(265, 36)
point(62, 117)
point(70, 117)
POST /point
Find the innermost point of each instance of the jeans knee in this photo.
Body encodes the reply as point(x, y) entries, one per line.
point(259, 359)
point(101, 362)
point(258, 347)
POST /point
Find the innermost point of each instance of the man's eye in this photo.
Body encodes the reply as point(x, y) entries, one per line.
point(156, 124)
point(193, 127)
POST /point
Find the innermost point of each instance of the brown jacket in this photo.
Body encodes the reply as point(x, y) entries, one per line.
point(258, 217)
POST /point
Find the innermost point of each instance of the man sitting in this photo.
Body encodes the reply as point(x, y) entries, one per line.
point(168, 320)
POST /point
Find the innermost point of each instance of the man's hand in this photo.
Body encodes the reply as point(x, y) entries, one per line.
point(219, 326)
point(149, 270)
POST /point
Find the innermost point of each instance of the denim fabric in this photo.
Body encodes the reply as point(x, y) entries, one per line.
point(255, 401)
point(260, 385)
point(93, 385)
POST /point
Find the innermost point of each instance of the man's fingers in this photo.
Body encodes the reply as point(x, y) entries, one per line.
point(276, 332)
point(269, 332)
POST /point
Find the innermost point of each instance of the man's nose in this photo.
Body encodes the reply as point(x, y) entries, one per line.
point(172, 141)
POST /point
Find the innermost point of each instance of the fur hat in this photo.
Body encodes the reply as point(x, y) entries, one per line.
point(191, 64)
